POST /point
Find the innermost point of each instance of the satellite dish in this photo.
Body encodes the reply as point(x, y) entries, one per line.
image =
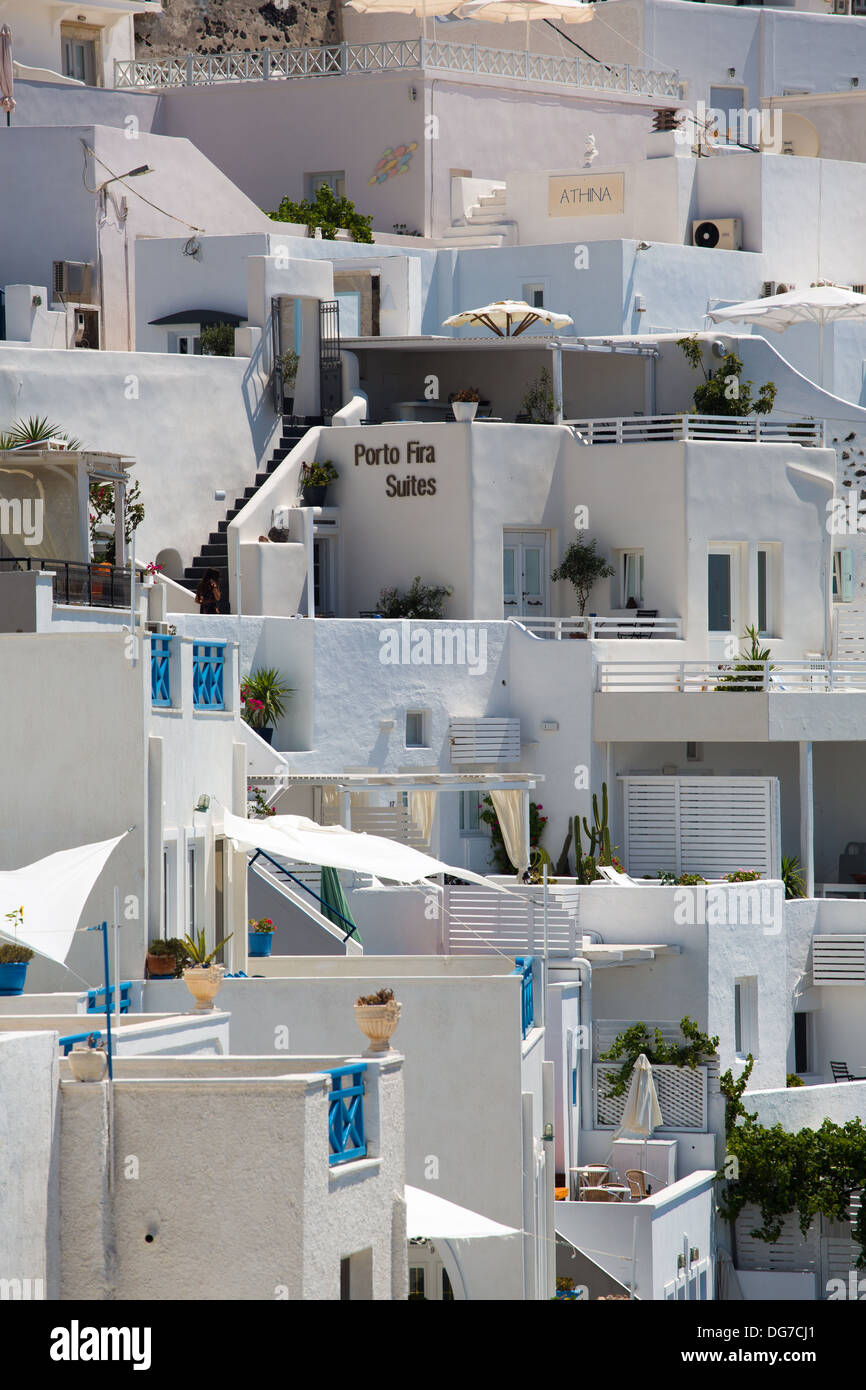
point(798, 135)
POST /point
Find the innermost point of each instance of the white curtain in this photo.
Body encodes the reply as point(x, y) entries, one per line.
point(422, 809)
point(510, 812)
point(330, 814)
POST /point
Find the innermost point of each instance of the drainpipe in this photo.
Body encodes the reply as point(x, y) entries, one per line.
point(583, 966)
point(807, 818)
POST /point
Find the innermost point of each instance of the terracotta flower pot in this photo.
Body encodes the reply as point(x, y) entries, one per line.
point(161, 965)
point(87, 1063)
point(377, 1022)
point(203, 983)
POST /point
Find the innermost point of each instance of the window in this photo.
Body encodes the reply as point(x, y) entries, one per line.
point(733, 125)
point(843, 576)
point(416, 1281)
point(631, 570)
point(801, 1043)
point(335, 179)
point(416, 728)
point(350, 313)
point(762, 591)
point(694, 752)
point(470, 814)
point(767, 572)
point(745, 1016)
point(533, 294)
point(187, 344)
point(81, 45)
point(447, 1291)
point(719, 591)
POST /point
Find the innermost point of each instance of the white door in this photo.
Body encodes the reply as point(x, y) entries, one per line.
point(722, 602)
point(524, 574)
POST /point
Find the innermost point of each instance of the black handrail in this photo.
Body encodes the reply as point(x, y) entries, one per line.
point(74, 580)
point(353, 930)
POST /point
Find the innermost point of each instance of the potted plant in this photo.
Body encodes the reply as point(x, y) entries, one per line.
point(377, 1015)
point(582, 566)
point(201, 976)
point(14, 958)
point(465, 403)
point(289, 363)
point(315, 478)
point(260, 937)
point(262, 696)
point(88, 1061)
point(165, 958)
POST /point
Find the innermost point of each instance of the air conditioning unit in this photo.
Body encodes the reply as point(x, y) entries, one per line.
point(721, 233)
point(73, 282)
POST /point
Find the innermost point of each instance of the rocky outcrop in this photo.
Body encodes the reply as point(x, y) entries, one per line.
point(235, 26)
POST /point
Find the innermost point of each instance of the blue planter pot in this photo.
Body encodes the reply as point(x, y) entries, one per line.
point(12, 977)
point(259, 943)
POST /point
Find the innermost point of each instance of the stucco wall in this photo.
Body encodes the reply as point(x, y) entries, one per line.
point(28, 1174)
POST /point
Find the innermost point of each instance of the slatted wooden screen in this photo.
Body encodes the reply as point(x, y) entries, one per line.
point(484, 740)
point(839, 959)
point(702, 825)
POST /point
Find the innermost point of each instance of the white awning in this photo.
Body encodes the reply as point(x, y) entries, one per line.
point(433, 1218)
point(296, 837)
point(53, 893)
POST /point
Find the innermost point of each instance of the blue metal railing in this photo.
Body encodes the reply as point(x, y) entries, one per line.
point(208, 669)
point(94, 996)
point(331, 912)
point(523, 967)
point(66, 1043)
point(160, 670)
point(346, 1114)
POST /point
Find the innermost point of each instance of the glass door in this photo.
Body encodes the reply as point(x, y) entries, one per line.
point(722, 617)
point(524, 574)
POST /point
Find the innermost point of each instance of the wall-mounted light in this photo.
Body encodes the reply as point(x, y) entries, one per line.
point(203, 803)
point(644, 246)
point(413, 93)
point(855, 81)
point(219, 495)
point(732, 72)
point(550, 726)
point(694, 1254)
point(547, 1136)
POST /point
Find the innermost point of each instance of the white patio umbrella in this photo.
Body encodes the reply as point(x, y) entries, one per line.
point(507, 318)
point(7, 82)
point(421, 7)
point(510, 11)
point(642, 1113)
point(819, 304)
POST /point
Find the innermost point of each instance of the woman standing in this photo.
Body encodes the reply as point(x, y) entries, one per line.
point(207, 595)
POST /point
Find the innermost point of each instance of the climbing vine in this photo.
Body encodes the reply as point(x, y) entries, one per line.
point(813, 1172)
point(697, 1047)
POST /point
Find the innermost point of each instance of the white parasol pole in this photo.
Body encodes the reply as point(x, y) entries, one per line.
point(821, 350)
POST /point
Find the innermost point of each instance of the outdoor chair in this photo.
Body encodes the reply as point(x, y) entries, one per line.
point(646, 613)
point(638, 1181)
point(841, 1073)
point(597, 1194)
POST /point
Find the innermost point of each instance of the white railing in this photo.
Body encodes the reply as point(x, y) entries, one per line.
point(682, 1094)
point(602, 628)
point(348, 59)
point(647, 429)
point(703, 677)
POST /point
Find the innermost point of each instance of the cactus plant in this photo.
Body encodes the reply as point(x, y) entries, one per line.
point(598, 837)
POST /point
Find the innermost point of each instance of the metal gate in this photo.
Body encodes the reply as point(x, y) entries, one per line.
point(330, 362)
point(277, 351)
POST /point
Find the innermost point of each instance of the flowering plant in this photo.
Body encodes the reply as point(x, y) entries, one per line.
point(153, 568)
point(261, 924)
point(10, 952)
point(260, 807)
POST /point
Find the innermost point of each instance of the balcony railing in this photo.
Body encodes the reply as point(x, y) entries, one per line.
point(523, 968)
point(346, 1114)
point(652, 429)
point(97, 586)
point(208, 670)
point(602, 628)
point(703, 677)
point(160, 670)
point(400, 55)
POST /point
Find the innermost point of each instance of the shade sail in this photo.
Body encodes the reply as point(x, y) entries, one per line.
point(52, 892)
point(200, 316)
point(642, 1113)
point(296, 837)
point(429, 1217)
point(508, 318)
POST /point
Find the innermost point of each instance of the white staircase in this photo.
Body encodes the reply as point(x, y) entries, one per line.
point(485, 223)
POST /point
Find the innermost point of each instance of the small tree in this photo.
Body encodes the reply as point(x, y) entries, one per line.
point(102, 510)
point(218, 340)
point(538, 401)
point(418, 601)
point(327, 212)
point(582, 566)
point(723, 392)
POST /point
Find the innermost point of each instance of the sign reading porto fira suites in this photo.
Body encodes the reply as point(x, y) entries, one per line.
point(413, 455)
point(585, 195)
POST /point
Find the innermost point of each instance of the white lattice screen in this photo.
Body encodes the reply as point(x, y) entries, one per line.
point(682, 1096)
point(702, 825)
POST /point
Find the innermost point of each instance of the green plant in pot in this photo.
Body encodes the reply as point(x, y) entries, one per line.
point(465, 403)
point(260, 936)
point(201, 975)
point(289, 363)
point(315, 479)
point(582, 567)
point(166, 958)
point(14, 957)
point(263, 697)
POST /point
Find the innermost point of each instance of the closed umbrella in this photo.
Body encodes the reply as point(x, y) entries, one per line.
point(507, 11)
point(819, 304)
point(333, 897)
point(642, 1113)
point(508, 318)
point(7, 81)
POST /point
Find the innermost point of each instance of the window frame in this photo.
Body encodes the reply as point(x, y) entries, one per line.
point(624, 556)
point(422, 715)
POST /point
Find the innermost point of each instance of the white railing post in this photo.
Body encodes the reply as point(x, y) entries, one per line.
point(189, 70)
point(765, 675)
